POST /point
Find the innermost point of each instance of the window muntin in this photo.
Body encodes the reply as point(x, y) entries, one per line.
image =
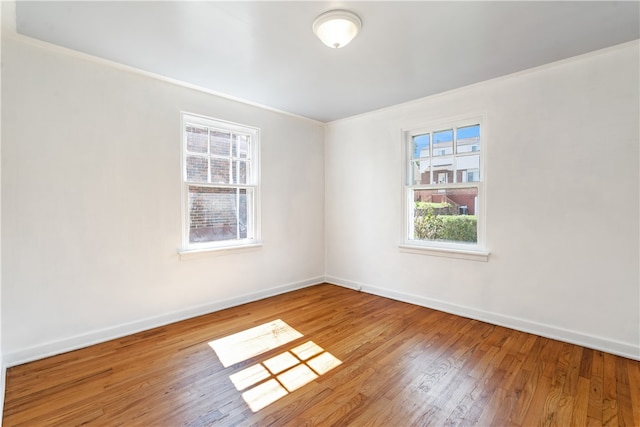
point(220, 178)
point(442, 143)
point(443, 187)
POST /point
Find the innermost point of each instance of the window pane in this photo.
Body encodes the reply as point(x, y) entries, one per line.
point(468, 139)
point(443, 143)
point(220, 171)
point(443, 170)
point(241, 146)
point(446, 215)
point(468, 166)
point(243, 212)
point(217, 214)
point(197, 169)
point(420, 146)
point(240, 172)
point(220, 143)
point(197, 139)
point(419, 172)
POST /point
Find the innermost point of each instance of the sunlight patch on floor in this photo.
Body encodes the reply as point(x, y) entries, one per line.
point(291, 373)
point(307, 350)
point(295, 378)
point(248, 377)
point(253, 342)
point(264, 394)
point(324, 363)
point(273, 378)
point(281, 362)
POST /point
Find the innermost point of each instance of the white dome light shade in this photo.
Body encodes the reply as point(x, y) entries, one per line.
point(337, 28)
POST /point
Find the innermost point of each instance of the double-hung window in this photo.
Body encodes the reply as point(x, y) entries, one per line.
point(443, 188)
point(220, 169)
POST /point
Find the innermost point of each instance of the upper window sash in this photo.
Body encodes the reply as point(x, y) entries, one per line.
point(216, 155)
point(444, 154)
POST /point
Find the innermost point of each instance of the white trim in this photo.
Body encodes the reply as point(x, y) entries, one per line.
point(8, 24)
point(202, 120)
point(64, 345)
point(222, 250)
point(95, 337)
point(607, 345)
point(345, 283)
point(446, 252)
point(3, 385)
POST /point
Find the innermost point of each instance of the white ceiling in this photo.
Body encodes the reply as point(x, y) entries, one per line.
point(266, 52)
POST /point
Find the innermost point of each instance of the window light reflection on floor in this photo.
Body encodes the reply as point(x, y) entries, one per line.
point(248, 377)
point(307, 350)
point(324, 363)
point(264, 394)
point(281, 362)
point(295, 378)
point(274, 378)
point(296, 374)
point(253, 342)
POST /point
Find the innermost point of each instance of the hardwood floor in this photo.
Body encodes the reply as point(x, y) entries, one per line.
point(397, 364)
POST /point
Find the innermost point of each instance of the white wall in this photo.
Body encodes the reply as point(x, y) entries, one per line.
point(7, 24)
point(3, 370)
point(562, 203)
point(90, 190)
point(91, 199)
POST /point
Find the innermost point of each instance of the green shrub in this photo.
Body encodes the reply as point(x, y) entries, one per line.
point(429, 226)
point(455, 228)
point(427, 205)
point(459, 228)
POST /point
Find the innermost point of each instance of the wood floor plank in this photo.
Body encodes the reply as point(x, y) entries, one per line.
point(609, 394)
point(581, 405)
point(594, 410)
point(573, 372)
point(623, 393)
point(380, 363)
point(634, 388)
point(545, 396)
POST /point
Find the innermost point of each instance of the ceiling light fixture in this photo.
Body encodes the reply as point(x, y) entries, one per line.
point(336, 28)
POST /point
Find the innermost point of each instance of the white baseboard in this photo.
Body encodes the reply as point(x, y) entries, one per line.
point(94, 337)
point(3, 386)
point(549, 331)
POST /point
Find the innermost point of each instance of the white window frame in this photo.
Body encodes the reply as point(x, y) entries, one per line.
point(471, 251)
point(253, 239)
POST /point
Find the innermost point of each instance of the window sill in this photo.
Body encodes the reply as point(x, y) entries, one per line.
point(482, 256)
point(223, 250)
